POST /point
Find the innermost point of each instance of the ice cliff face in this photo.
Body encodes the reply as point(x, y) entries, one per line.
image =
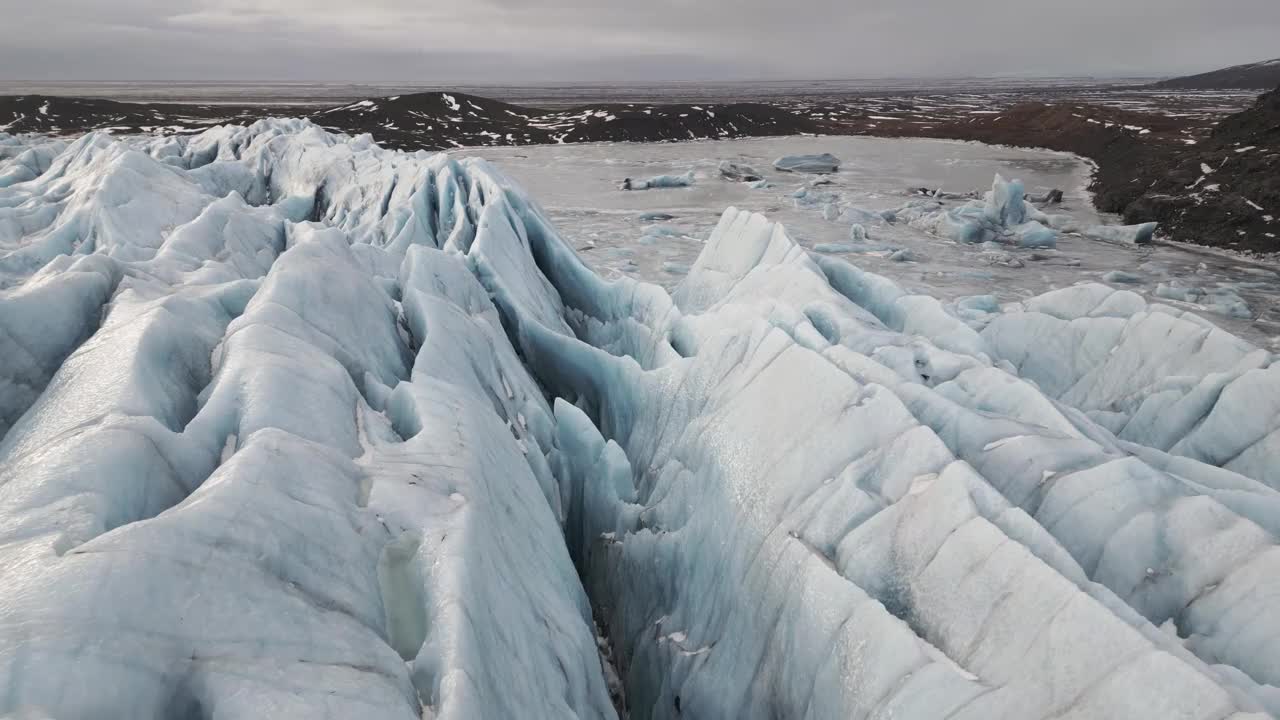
point(296, 426)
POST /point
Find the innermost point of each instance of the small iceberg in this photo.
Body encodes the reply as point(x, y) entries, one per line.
point(739, 173)
point(816, 164)
point(1003, 215)
point(1128, 234)
point(659, 181)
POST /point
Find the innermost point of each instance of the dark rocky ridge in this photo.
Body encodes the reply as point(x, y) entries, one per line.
point(1253, 76)
point(1123, 144)
point(72, 116)
point(1148, 161)
point(443, 120)
point(1237, 202)
point(1151, 167)
point(430, 121)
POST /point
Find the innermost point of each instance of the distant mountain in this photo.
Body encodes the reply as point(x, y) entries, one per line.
point(1263, 75)
point(424, 121)
point(1224, 186)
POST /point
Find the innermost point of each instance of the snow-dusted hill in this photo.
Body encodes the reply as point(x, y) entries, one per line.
point(295, 426)
point(1262, 75)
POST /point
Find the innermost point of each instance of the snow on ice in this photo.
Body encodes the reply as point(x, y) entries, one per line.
point(297, 426)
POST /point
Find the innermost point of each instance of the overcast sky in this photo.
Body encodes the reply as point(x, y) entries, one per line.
point(501, 41)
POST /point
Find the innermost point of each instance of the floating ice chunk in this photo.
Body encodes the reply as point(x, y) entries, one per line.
point(940, 194)
point(863, 217)
point(824, 163)
point(836, 247)
point(663, 231)
point(1063, 223)
point(739, 173)
point(1220, 300)
point(1128, 234)
point(1120, 276)
point(1002, 216)
point(659, 181)
point(1049, 197)
point(656, 216)
point(806, 198)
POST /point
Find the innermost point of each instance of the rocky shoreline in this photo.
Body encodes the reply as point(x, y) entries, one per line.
point(1207, 176)
point(1219, 188)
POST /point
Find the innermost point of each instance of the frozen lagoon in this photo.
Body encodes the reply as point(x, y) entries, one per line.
point(578, 186)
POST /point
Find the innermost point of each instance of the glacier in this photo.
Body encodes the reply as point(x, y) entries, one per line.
point(297, 426)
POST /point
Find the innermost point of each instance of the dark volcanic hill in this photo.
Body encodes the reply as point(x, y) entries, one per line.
point(439, 120)
point(1219, 186)
point(1226, 190)
point(423, 121)
point(69, 115)
point(1123, 143)
point(1254, 76)
point(434, 121)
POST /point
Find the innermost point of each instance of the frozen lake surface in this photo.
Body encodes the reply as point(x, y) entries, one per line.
point(578, 186)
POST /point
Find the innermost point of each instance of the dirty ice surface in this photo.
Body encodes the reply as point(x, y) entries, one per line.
point(617, 232)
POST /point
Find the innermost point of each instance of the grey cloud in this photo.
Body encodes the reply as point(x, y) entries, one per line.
point(546, 40)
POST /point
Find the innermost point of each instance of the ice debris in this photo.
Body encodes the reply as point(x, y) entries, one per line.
point(1221, 300)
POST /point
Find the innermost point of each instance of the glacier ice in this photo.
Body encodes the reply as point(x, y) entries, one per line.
point(24, 158)
point(296, 469)
point(302, 427)
point(892, 530)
